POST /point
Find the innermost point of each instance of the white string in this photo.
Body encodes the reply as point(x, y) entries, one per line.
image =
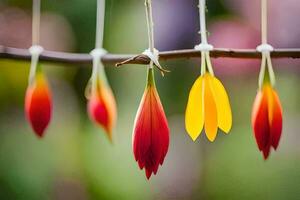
point(150, 25)
point(36, 16)
point(264, 23)
point(98, 52)
point(204, 47)
point(35, 50)
point(151, 52)
point(153, 56)
point(265, 48)
point(202, 8)
point(100, 23)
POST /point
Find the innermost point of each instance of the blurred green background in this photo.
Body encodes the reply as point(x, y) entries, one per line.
point(76, 161)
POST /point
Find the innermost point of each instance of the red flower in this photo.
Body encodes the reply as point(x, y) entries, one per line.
point(38, 104)
point(267, 119)
point(151, 131)
point(102, 107)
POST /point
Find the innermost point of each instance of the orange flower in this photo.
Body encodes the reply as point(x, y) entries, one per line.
point(102, 107)
point(267, 119)
point(38, 104)
point(151, 131)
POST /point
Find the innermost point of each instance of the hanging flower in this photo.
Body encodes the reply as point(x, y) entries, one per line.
point(267, 111)
point(38, 104)
point(102, 107)
point(208, 106)
point(267, 119)
point(151, 131)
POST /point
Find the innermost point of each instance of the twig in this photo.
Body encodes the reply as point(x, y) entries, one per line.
point(121, 59)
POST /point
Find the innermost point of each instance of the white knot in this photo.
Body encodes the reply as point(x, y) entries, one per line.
point(264, 48)
point(204, 47)
point(153, 56)
point(98, 53)
point(36, 50)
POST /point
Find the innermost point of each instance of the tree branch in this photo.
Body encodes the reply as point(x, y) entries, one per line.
point(120, 59)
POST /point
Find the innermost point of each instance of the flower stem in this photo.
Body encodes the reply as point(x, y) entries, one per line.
point(150, 78)
point(94, 75)
point(261, 77)
point(203, 63)
point(209, 65)
point(271, 70)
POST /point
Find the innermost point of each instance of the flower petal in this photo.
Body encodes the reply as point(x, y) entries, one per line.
point(38, 104)
point(194, 118)
point(267, 119)
point(276, 122)
point(260, 122)
point(223, 105)
point(210, 109)
point(266, 151)
point(102, 108)
point(151, 133)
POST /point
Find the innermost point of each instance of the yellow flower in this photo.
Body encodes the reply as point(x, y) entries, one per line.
point(208, 106)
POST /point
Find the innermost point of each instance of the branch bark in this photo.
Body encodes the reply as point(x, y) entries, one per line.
point(121, 59)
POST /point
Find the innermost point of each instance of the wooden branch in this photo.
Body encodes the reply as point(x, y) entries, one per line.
point(120, 59)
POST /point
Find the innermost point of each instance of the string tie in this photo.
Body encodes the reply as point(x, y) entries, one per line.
point(98, 53)
point(154, 57)
point(204, 47)
point(35, 51)
point(265, 48)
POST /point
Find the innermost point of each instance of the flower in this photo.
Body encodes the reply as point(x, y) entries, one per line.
point(102, 107)
point(38, 104)
point(208, 106)
point(151, 131)
point(267, 119)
